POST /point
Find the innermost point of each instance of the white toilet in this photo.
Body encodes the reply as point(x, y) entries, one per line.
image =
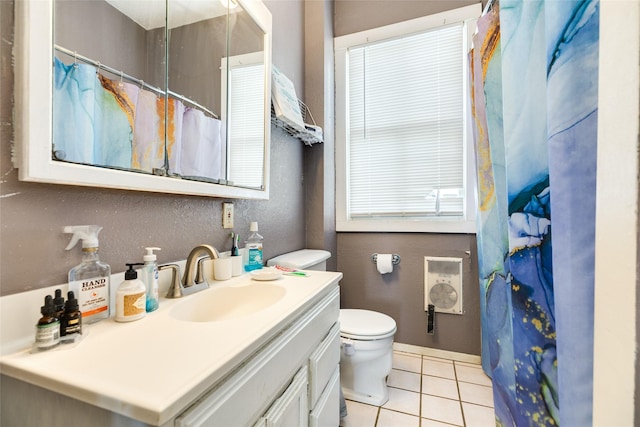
point(366, 339)
point(366, 355)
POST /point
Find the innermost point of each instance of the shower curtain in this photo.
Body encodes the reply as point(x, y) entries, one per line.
point(534, 73)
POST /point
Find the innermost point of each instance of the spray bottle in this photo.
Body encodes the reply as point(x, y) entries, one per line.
point(90, 280)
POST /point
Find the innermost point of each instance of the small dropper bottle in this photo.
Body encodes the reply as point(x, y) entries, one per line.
point(58, 304)
point(48, 327)
point(71, 322)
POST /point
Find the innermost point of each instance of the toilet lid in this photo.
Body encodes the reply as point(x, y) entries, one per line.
point(366, 324)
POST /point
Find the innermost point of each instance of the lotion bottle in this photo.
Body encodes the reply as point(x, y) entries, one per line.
point(131, 300)
point(150, 279)
point(90, 280)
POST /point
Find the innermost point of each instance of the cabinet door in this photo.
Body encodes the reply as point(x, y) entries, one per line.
point(327, 411)
point(291, 409)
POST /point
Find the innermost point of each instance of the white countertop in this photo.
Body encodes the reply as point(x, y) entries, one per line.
point(151, 369)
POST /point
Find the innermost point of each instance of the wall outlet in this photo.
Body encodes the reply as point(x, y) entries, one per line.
point(227, 215)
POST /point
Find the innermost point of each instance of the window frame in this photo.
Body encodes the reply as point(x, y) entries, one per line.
point(437, 224)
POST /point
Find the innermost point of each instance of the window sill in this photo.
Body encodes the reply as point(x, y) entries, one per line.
point(407, 226)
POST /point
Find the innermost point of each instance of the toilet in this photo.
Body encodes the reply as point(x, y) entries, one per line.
point(366, 350)
point(366, 355)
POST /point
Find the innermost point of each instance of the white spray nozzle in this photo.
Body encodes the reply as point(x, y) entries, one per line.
point(150, 256)
point(88, 234)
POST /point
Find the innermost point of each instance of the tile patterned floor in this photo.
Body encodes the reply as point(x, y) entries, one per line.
point(425, 391)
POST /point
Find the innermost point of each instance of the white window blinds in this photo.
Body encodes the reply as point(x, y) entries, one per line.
point(406, 126)
point(246, 127)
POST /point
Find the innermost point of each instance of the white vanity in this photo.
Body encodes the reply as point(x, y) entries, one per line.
point(250, 363)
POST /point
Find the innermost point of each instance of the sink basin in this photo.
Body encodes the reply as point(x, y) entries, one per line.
point(227, 303)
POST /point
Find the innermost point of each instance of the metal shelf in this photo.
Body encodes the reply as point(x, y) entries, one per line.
point(309, 137)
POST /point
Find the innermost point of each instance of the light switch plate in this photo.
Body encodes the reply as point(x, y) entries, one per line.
point(227, 215)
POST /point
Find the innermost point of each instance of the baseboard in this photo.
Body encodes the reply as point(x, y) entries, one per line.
point(434, 352)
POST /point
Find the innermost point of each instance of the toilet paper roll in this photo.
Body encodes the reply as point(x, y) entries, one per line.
point(384, 263)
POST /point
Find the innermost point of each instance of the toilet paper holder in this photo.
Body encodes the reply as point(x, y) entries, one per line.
point(395, 259)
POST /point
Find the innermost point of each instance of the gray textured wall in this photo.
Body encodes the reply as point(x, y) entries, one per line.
point(400, 294)
point(32, 215)
point(354, 16)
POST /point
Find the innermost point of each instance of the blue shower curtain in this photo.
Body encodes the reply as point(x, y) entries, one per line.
point(534, 101)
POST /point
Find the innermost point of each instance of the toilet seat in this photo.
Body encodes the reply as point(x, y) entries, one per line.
point(365, 325)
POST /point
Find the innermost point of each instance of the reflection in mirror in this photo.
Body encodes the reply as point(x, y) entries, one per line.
point(108, 97)
point(245, 76)
point(197, 34)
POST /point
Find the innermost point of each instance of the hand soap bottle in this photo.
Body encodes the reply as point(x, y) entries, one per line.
point(131, 300)
point(150, 279)
point(89, 280)
point(253, 249)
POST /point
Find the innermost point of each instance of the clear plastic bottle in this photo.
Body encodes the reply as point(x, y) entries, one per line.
point(90, 280)
point(253, 249)
point(150, 278)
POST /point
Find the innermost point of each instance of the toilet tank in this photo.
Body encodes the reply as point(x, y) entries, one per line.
point(304, 259)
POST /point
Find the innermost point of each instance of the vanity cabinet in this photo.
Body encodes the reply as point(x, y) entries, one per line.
point(283, 381)
point(288, 375)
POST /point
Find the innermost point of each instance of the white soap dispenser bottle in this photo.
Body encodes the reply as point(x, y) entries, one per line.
point(150, 279)
point(131, 297)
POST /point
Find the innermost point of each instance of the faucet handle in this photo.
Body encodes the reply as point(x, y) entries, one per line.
point(175, 290)
point(200, 275)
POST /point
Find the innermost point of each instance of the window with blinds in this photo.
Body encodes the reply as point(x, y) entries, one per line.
point(404, 129)
point(406, 126)
point(246, 123)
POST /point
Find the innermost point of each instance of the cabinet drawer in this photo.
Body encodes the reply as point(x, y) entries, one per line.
point(322, 363)
point(327, 411)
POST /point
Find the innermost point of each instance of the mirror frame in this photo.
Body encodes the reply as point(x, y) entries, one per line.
point(34, 115)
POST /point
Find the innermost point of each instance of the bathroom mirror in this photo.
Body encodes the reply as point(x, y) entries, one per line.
point(123, 108)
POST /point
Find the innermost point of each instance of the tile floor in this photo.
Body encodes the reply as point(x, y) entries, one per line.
point(426, 391)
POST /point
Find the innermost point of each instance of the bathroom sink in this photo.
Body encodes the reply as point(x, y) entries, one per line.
point(227, 303)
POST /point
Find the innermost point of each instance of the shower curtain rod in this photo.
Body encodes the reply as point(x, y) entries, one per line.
point(487, 7)
point(141, 83)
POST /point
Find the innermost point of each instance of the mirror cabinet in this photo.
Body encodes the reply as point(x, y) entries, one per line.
point(156, 95)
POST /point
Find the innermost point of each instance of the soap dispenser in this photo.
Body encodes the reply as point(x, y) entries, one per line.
point(131, 298)
point(150, 279)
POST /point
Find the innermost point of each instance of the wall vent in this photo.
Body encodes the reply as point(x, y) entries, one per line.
point(443, 284)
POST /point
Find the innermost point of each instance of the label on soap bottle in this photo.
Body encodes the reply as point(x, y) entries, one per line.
point(134, 304)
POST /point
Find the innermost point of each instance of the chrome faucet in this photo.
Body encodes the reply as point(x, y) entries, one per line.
point(193, 263)
point(192, 281)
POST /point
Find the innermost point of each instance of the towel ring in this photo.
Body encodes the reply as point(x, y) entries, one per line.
point(395, 259)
